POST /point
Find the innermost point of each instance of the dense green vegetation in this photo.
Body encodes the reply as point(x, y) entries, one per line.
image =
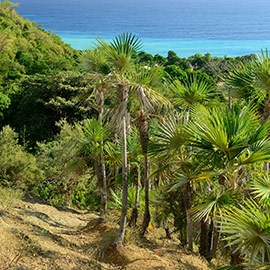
point(181, 143)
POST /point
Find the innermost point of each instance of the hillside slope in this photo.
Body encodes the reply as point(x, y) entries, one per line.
point(37, 236)
point(25, 48)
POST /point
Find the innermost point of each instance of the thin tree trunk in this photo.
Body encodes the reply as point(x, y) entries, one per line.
point(102, 187)
point(186, 194)
point(135, 209)
point(146, 216)
point(142, 125)
point(103, 190)
point(121, 234)
point(204, 239)
point(216, 238)
point(189, 230)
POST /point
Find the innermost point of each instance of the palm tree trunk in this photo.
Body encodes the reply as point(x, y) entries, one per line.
point(142, 124)
point(216, 238)
point(146, 216)
point(186, 194)
point(121, 234)
point(204, 249)
point(103, 190)
point(102, 183)
point(135, 209)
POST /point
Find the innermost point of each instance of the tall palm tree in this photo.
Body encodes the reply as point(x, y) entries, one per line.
point(129, 80)
point(95, 63)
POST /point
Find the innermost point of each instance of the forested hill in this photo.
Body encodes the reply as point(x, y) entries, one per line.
point(27, 49)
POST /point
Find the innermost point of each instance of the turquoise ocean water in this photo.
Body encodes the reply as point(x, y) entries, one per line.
point(221, 28)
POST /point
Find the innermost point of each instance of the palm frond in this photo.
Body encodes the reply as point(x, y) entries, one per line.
point(196, 89)
point(168, 137)
point(230, 135)
point(91, 136)
point(215, 204)
point(248, 227)
point(257, 152)
point(126, 44)
point(260, 187)
point(95, 61)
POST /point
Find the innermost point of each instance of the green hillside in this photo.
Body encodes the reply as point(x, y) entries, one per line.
point(27, 49)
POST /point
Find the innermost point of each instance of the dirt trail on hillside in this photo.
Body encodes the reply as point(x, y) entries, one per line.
point(37, 236)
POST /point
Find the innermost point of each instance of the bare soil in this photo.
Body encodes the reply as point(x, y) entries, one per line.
point(37, 236)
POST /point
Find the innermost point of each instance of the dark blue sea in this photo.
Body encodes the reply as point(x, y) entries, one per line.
point(219, 27)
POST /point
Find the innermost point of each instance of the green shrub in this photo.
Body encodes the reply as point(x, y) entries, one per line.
point(18, 169)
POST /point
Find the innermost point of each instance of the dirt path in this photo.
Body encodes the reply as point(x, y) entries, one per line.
point(38, 236)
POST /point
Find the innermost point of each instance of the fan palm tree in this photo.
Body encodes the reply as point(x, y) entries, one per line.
point(126, 80)
point(94, 62)
point(195, 90)
point(251, 81)
point(248, 228)
point(172, 139)
point(231, 139)
point(228, 141)
point(168, 146)
point(91, 137)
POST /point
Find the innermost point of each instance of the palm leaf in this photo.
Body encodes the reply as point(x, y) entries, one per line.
point(260, 187)
point(248, 227)
point(215, 204)
point(126, 44)
point(196, 89)
point(168, 137)
point(257, 152)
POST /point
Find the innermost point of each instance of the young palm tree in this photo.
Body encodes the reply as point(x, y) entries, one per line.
point(168, 146)
point(252, 82)
point(228, 141)
point(195, 90)
point(248, 228)
point(91, 139)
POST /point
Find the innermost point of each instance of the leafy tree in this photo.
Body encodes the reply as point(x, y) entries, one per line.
point(44, 100)
point(146, 58)
point(175, 72)
point(172, 58)
point(69, 178)
point(159, 59)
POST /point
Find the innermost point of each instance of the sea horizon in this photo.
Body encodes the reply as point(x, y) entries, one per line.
point(182, 47)
point(221, 28)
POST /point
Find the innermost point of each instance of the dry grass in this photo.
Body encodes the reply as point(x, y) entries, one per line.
point(36, 236)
